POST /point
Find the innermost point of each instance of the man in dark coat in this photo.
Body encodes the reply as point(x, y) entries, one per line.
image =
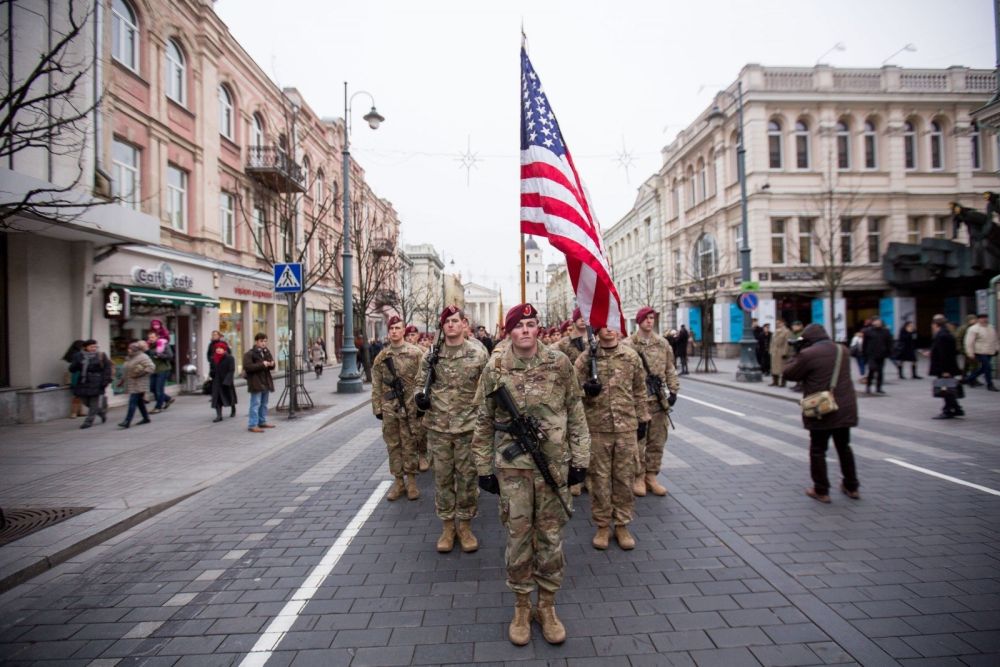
point(813, 367)
point(682, 348)
point(257, 363)
point(944, 364)
point(876, 348)
point(94, 375)
point(222, 373)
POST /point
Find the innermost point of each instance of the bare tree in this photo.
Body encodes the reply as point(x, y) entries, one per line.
point(405, 301)
point(427, 303)
point(704, 273)
point(51, 108)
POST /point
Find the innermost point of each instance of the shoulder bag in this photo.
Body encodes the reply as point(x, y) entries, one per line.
point(821, 403)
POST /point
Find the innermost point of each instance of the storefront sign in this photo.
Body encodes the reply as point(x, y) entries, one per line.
point(115, 303)
point(162, 278)
point(260, 294)
point(791, 275)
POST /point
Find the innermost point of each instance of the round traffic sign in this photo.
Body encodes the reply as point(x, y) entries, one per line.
point(749, 301)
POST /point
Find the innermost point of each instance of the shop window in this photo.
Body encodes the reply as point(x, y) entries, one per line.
point(125, 183)
point(231, 325)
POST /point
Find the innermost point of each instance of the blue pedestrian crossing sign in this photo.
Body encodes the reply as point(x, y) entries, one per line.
point(288, 278)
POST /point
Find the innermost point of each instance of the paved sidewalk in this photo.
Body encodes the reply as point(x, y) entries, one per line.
point(126, 476)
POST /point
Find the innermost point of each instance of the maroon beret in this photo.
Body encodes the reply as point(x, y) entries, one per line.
point(519, 312)
point(577, 314)
point(448, 312)
point(395, 319)
point(643, 313)
point(564, 326)
point(410, 329)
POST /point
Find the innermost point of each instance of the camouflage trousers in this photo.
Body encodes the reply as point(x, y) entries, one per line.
point(534, 519)
point(420, 436)
point(610, 478)
point(398, 433)
point(456, 488)
point(649, 453)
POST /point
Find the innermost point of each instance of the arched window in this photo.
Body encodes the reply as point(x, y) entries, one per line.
point(257, 132)
point(319, 185)
point(909, 146)
point(977, 147)
point(774, 144)
point(702, 180)
point(937, 146)
point(706, 256)
point(305, 171)
point(124, 35)
point(843, 145)
point(871, 146)
point(176, 73)
point(801, 144)
point(225, 112)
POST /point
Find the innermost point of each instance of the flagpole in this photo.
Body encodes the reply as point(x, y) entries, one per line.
point(524, 289)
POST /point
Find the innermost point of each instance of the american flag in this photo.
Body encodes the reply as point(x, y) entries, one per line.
point(554, 204)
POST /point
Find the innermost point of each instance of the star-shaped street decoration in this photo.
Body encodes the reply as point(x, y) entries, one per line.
point(468, 160)
point(625, 159)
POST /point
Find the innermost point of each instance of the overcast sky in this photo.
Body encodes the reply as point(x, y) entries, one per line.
point(622, 77)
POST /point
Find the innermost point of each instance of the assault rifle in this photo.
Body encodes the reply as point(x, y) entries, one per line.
point(592, 342)
point(655, 387)
point(528, 436)
point(423, 397)
point(396, 386)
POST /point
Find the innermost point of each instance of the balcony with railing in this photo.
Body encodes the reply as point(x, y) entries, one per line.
point(383, 247)
point(273, 168)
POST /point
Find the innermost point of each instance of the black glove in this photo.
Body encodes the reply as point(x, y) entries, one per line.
point(641, 431)
point(576, 475)
point(592, 388)
point(379, 416)
point(671, 398)
point(489, 483)
point(422, 401)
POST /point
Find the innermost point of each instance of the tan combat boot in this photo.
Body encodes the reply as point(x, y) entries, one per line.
point(625, 539)
point(552, 628)
point(412, 492)
point(654, 485)
point(519, 631)
point(600, 540)
point(422, 464)
point(466, 538)
point(447, 540)
point(639, 486)
point(396, 490)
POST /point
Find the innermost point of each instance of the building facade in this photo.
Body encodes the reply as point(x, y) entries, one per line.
point(481, 306)
point(839, 162)
point(535, 277)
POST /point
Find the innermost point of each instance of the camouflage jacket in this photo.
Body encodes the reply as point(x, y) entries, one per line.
point(406, 358)
point(456, 378)
point(660, 358)
point(569, 348)
point(543, 386)
point(622, 403)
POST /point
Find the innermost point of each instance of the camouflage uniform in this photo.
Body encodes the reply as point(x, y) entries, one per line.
point(660, 358)
point(613, 417)
point(543, 386)
point(399, 430)
point(449, 424)
point(568, 346)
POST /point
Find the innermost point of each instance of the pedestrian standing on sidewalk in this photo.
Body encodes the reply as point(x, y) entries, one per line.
point(779, 353)
point(857, 348)
point(814, 366)
point(660, 358)
point(906, 350)
point(618, 417)
point(944, 364)
point(135, 374)
point(317, 354)
point(94, 368)
point(449, 420)
point(877, 348)
point(683, 336)
point(76, 406)
point(981, 345)
point(969, 363)
point(222, 372)
point(257, 364)
point(542, 384)
point(399, 420)
point(216, 339)
point(162, 354)
point(764, 348)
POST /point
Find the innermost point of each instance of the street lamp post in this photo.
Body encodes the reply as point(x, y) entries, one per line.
point(748, 369)
point(349, 381)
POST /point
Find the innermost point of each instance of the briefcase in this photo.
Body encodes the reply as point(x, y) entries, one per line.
point(948, 387)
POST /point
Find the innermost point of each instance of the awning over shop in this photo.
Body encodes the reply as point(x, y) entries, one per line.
point(163, 298)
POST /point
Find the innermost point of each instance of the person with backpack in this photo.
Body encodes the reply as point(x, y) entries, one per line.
point(94, 370)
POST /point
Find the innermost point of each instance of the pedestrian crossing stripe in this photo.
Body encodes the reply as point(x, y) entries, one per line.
point(288, 280)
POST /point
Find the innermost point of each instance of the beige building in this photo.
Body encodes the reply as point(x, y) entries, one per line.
point(482, 305)
point(839, 162)
point(559, 297)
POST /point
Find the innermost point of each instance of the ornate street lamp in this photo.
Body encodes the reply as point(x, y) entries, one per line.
point(349, 381)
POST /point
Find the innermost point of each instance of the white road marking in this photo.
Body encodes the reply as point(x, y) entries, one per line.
point(672, 462)
point(323, 471)
point(724, 453)
point(760, 439)
point(907, 445)
point(712, 405)
point(951, 433)
point(282, 623)
point(862, 451)
point(956, 480)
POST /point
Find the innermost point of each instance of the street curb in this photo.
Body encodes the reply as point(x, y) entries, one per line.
point(737, 387)
point(46, 563)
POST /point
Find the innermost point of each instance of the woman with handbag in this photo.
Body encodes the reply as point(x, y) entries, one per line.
point(945, 368)
point(830, 408)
